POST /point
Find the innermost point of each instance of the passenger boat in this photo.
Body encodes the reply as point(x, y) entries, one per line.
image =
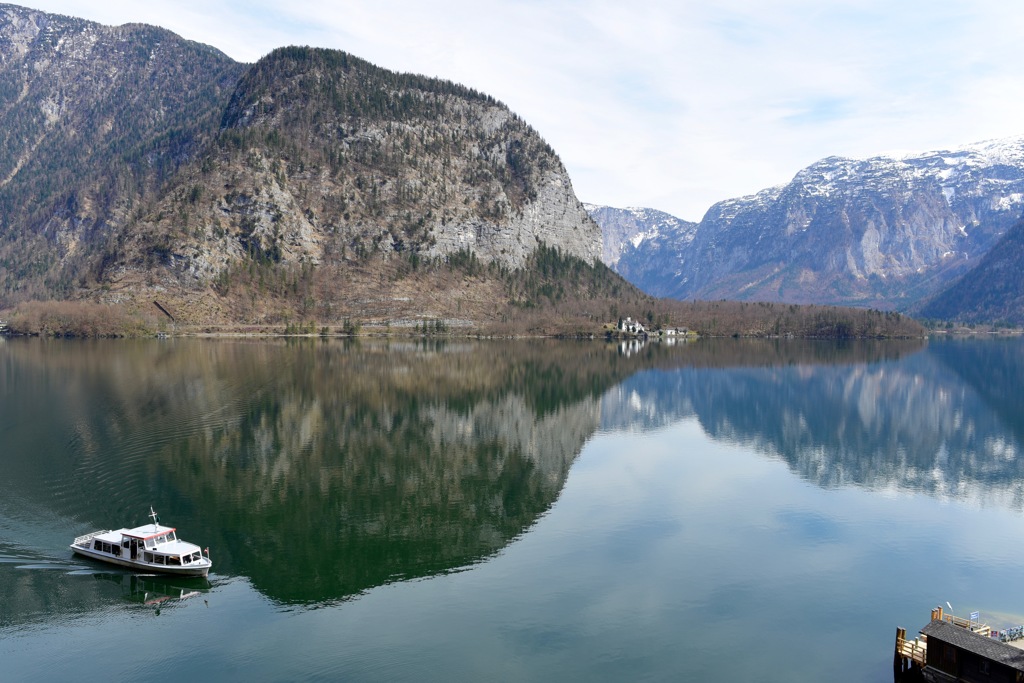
point(150, 548)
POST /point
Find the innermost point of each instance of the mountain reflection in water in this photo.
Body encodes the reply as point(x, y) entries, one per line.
point(319, 470)
point(947, 421)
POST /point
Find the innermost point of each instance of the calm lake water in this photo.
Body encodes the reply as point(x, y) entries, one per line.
point(532, 511)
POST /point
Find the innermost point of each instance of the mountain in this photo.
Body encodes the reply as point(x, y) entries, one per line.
point(884, 232)
point(94, 120)
point(322, 154)
point(624, 230)
point(992, 291)
point(137, 166)
point(640, 242)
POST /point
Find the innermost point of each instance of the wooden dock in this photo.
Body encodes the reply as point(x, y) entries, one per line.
point(910, 652)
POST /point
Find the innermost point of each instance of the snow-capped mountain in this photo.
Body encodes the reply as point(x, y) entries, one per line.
point(626, 229)
point(882, 232)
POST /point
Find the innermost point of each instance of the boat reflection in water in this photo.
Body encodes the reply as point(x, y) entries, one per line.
point(156, 590)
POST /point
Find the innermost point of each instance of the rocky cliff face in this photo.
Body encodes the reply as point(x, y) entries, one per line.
point(882, 232)
point(154, 163)
point(323, 156)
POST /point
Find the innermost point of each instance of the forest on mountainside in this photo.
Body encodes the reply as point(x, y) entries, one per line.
point(991, 292)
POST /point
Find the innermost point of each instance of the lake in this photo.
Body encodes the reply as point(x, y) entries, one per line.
point(719, 510)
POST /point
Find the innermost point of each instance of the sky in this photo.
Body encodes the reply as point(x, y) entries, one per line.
point(667, 104)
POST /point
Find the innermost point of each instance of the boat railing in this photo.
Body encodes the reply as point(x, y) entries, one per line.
point(82, 540)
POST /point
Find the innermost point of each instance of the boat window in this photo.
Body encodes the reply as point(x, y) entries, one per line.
point(174, 560)
point(97, 545)
point(149, 557)
point(116, 549)
point(159, 559)
point(186, 559)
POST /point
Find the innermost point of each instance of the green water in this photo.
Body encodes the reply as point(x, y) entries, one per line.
point(728, 510)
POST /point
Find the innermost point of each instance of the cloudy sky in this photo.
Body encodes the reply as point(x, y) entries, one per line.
point(670, 104)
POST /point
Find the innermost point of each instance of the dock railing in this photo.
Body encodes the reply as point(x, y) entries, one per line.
point(969, 624)
point(915, 650)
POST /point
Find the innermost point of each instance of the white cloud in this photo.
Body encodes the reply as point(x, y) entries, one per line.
point(673, 104)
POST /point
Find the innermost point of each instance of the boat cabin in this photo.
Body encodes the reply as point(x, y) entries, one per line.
point(153, 544)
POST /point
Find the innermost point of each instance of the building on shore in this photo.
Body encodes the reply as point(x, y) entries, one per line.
point(953, 649)
point(634, 327)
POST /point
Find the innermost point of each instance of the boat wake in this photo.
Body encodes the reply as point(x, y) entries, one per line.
point(16, 557)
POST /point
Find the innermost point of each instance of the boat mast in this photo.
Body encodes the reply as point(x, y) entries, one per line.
point(156, 519)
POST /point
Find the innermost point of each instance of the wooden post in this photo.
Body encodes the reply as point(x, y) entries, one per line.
point(898, 660)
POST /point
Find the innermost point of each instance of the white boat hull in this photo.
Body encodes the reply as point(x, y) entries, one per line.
point(197, 568)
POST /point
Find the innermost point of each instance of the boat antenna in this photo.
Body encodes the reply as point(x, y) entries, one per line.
point(156, 518)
